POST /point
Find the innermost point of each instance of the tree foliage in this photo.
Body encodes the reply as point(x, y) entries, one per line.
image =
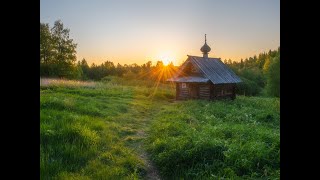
point(145, 71)
point(273, 77)
point(260, 74)
point(57, 52)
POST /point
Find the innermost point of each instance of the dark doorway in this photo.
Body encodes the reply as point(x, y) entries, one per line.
point(194, 91)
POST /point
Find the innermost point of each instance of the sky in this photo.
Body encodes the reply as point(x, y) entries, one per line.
point(138, 31)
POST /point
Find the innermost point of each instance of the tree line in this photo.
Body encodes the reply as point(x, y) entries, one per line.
point(260, 74)
point(58, 59)
point(145, 71)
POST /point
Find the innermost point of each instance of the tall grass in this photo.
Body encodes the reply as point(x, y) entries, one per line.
point(47, 82)
point(80, 134)
point(223, 139)
point(92, 130)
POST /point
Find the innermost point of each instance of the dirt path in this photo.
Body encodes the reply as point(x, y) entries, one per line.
point(152, 171)
point(142, 111)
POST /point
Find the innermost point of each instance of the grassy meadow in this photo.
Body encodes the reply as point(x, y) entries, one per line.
point(131, 129)
point(225, 139)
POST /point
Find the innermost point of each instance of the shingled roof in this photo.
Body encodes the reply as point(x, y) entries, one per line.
point(211, 68)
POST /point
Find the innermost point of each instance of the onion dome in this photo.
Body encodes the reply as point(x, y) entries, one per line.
point(205, 49)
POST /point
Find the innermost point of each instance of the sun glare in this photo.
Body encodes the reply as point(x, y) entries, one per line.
point(166, 59)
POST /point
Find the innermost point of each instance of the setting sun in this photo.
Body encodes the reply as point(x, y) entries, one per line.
point(166, 61)
point(166, 58)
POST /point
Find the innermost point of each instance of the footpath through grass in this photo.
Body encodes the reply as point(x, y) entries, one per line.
point(95, 132)
point(130, 131)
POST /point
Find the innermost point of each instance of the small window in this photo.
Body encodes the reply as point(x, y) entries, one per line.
point(184, 85)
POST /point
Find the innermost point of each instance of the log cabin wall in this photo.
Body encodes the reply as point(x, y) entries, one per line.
point(192, 91)
point(222, 91)
point(204, 91)
point(207, 91)
point(182, 91)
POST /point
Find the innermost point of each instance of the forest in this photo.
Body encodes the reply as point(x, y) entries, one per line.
point(260, 74)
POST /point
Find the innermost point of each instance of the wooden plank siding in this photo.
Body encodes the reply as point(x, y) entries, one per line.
point(223, 91)
point(206, 91)
point(182, 93)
